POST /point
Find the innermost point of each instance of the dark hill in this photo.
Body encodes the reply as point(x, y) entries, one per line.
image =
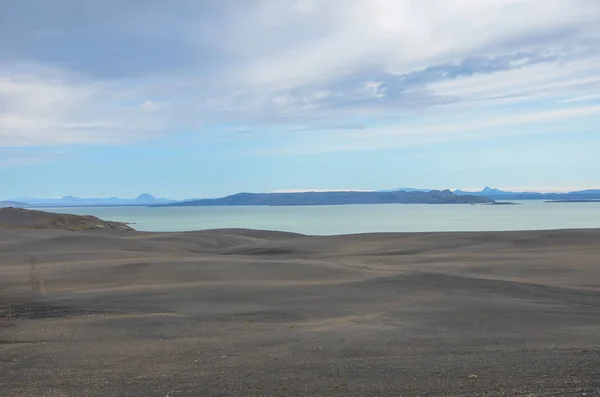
point(16, 204)
point(18, 218)
point(337, 198)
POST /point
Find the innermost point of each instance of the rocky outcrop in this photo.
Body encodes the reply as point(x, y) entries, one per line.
point(15, 204)
point(18, 218)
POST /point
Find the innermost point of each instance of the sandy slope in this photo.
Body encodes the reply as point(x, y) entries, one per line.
point(240, 312)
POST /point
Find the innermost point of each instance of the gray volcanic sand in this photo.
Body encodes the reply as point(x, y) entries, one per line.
point(252, 313)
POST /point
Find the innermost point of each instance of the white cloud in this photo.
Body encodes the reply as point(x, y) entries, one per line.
point(41, 106)
point(149, 106)
point(318, 190)
point(581, 98)
point(546, 79)
point(443, 128)
point(399, 37)
point(375, 89)
point(20, 158)
point(294, 65)
point(549, 189)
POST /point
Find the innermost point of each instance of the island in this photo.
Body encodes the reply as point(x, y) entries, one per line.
point(335, 198)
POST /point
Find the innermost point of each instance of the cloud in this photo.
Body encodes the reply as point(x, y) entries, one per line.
point(581, 98)
point(119, 73)
point(21, 158)
point(442, 129)
point(318, 190)
point(45, 106)
point(556, 79)
point(149, 106)
point(387, 36)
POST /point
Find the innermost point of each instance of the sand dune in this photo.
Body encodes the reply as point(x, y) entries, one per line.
point(245, 312)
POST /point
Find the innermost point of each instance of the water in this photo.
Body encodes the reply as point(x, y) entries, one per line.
point(326, 220)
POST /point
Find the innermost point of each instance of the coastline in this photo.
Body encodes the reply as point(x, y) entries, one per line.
point(344, 219)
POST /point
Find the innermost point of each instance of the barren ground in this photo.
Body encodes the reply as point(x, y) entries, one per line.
point(251, 313)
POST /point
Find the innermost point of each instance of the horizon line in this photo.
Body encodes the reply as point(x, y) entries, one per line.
point(300, 190)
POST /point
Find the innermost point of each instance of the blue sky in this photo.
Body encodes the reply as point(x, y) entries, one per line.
point(205, 98)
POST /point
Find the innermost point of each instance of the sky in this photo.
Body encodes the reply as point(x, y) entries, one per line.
point(193, 98)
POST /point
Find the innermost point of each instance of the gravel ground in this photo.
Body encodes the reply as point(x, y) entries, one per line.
point(254, 313)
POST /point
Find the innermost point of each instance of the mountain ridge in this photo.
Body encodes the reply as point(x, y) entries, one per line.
point(73, 201)
point(588, 194)
point(335, 198)
point(146, 199)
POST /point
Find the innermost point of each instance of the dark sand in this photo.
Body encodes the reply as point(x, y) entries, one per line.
point(248, 313)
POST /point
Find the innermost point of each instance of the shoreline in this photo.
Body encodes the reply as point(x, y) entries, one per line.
point(331, 220)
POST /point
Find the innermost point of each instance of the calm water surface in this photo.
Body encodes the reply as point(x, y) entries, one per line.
point(325, 220)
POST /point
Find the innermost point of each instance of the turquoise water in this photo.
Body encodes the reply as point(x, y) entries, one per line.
point(325, 220)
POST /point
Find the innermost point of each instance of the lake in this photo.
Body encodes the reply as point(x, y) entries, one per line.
point(327, 220)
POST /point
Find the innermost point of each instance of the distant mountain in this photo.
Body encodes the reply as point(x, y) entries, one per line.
point(496, 194)
point(336, 198)
point(145, 198)
point(71, 201)
point(14, 204)
point(589, 191)
point(485, 192)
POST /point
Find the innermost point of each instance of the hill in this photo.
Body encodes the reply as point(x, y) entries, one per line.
point(337, 198)
point(18, 218)
point(14, 204)
point(72, 201)
point(496, 194)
